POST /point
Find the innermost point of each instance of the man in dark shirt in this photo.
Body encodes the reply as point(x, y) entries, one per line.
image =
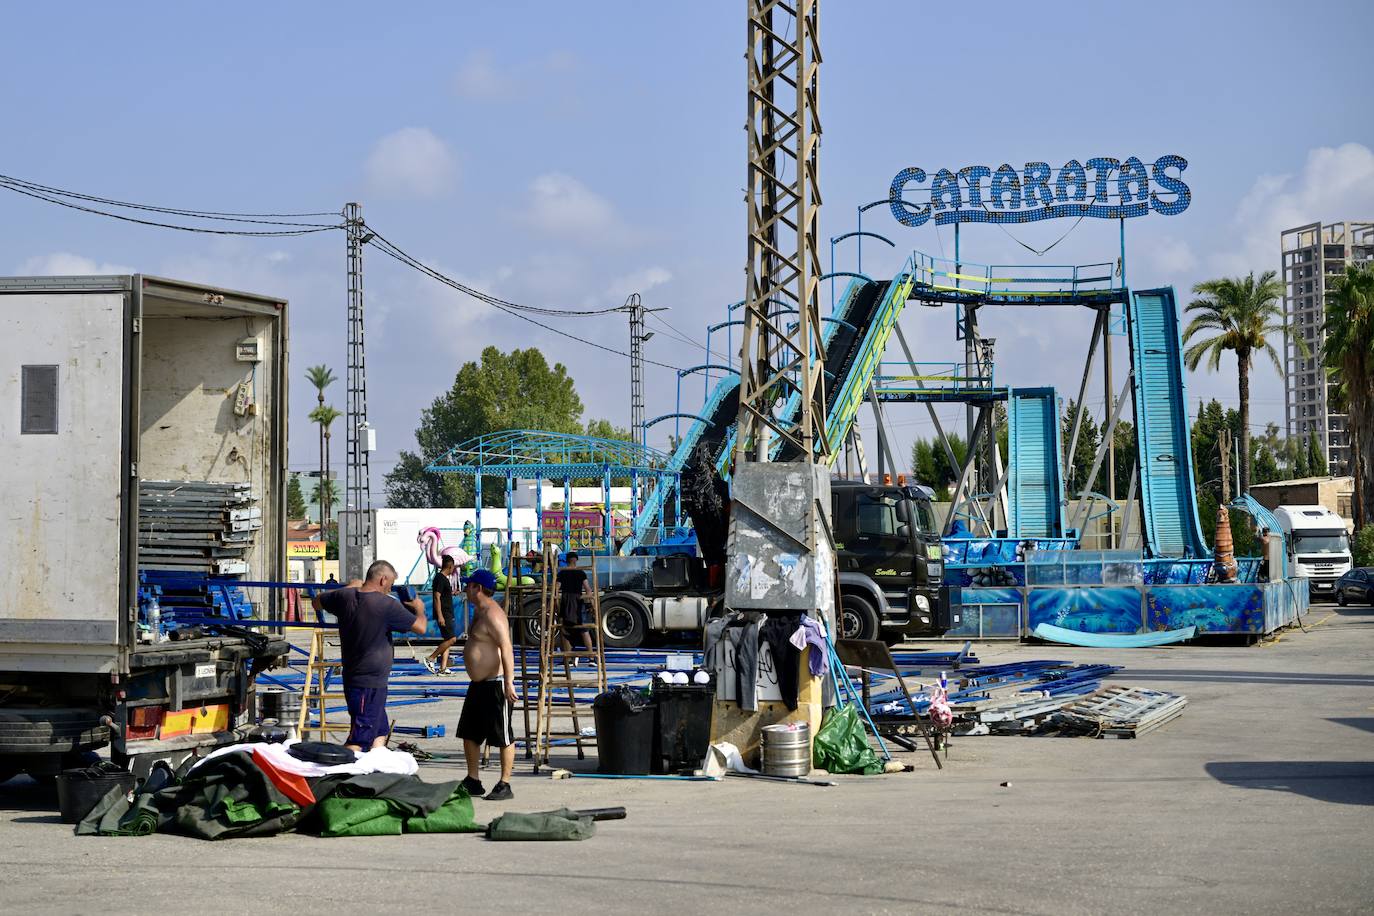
point(573, 590)
point(367, 616)
point(442, 586)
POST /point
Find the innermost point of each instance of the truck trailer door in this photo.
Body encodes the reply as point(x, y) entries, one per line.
point(66, 358)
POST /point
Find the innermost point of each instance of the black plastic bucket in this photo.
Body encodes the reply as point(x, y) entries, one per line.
point(624, 733)
point(682, 732)
point(79, 790)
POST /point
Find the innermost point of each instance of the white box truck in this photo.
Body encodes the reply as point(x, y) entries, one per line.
point(1318, 546)
point(105, 382)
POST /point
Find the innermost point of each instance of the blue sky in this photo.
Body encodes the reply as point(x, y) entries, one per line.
point(568, 154)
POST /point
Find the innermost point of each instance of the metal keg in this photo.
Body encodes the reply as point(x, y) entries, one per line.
point(787, 749)
point(280, 704)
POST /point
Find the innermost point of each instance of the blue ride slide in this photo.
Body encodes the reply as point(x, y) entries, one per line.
point(1168, 492)
point(1035, 486)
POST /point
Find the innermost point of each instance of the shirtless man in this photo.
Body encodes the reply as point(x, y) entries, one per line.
point(490, 663)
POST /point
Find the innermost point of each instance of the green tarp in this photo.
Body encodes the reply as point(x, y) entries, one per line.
point(563, 824)
point(841, 744)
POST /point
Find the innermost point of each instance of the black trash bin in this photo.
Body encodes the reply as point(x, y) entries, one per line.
point(683, 731)
point(79, 790)
point(624, 732)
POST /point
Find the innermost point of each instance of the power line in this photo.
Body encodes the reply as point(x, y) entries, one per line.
point(174, 211)
point(258, 233)
point(390, 249)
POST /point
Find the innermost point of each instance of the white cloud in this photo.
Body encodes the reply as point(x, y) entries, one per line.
point(412, 162)
point(1169, 256)
point(560, 205)
point(478, 79)
point(640, 281)
point(1335, 183)
point(66, 264)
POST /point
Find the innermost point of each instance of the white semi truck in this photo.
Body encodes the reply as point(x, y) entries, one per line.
point(1318, 546)
point(107, 384)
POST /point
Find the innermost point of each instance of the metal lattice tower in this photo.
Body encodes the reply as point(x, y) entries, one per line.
point(635, 306)
point(784, 205)
point(357, 471)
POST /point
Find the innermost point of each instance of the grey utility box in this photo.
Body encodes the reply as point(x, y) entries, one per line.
point(769, 567)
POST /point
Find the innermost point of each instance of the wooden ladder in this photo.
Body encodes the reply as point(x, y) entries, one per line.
point(558, 669)
point(315, 691)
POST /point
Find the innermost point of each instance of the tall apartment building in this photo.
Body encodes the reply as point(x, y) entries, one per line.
point(1313, 257)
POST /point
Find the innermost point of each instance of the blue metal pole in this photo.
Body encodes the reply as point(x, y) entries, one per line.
point(677, 494)
point(706, 375)
point(567, 514)
point(510, 524)
point(539, 514)
point(832, 275)
point(1123, 252)
point(860, 267)
point(606, 500)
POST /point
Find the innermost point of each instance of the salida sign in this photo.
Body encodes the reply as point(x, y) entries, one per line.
point(1102, 188)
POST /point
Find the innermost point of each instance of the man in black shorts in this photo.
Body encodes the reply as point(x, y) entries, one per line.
point(367, 615)
point(442, 586)
point(489, 659)
point(573, 592)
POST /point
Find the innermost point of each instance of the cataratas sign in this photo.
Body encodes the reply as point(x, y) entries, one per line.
point(1102, 188)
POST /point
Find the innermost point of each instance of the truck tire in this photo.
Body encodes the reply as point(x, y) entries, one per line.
point(531, 628)
point(623, 625)
point(858, 619)
point(49, 731)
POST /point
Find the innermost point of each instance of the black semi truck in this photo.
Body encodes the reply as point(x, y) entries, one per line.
point(890, 576)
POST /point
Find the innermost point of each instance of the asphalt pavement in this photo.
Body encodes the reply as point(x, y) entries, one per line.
point(1259, 799)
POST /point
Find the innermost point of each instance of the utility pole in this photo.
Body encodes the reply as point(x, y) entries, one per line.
point(783, 210)
point(780, 556)
point(359, 436)
point(634, 305)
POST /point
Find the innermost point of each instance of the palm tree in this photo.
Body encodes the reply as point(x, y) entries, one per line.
point(1243, 313)
point(325, 415)
point(1348, 353)
point(321, 377)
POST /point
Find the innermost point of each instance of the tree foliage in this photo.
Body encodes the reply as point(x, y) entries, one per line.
point(1348, 353)
point(1081, 462)
point(515, 390)
point(930, 463)
point(1237, 314)
point(295, 499)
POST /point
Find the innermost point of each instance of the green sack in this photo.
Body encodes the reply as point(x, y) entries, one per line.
point(562, 824)
point(841, 745)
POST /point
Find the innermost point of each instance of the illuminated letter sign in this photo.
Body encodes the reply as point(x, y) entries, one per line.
point(1104, 188)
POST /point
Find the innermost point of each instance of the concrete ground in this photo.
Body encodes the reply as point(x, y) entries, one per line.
point(1260, 799)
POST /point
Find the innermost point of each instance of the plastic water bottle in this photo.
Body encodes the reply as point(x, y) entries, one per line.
point(154, 618)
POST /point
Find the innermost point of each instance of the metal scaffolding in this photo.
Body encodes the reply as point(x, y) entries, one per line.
point(784, 202)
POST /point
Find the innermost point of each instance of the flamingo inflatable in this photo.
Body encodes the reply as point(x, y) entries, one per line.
point(431, 541)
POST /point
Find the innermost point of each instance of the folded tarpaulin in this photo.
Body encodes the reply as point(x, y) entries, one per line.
point(563, 824)
point(223, 798)
point(380, 804)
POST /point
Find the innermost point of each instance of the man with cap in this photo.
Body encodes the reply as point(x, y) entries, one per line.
point(490, 662)
point(368, 614)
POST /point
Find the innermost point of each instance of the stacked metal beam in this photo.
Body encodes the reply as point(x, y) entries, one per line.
point(196, 526)
point(1121, 712)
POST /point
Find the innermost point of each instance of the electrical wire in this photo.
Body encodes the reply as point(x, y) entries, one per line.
point(173, 211)
point(681, 336)
point(259, 233)
point(391, 250)
point(390, 247)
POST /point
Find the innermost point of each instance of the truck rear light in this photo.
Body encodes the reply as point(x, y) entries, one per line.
point(144, 722)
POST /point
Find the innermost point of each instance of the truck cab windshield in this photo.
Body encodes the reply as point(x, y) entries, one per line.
point(888, 516)
point(1321, 541)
